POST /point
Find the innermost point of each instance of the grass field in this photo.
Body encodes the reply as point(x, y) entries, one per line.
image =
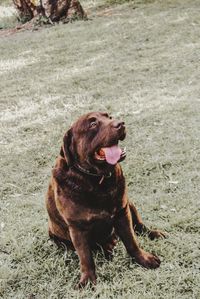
point(139, 61)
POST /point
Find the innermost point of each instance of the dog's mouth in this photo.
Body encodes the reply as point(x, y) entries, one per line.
point(111, 154)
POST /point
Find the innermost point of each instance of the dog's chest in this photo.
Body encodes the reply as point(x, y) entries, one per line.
point(100, 216)
point(103, 202)
point(96, 203)
point(94, 191)
point(106, 197)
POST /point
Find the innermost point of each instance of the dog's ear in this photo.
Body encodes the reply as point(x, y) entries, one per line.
point(65, 151)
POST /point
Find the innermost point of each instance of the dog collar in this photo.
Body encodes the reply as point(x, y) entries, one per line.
point(102, 177)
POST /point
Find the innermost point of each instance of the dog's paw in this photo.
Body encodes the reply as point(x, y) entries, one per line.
point(147, 260)
point(157, 234)
point(86, 279)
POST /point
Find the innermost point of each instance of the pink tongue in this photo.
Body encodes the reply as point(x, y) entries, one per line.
point(112, 154)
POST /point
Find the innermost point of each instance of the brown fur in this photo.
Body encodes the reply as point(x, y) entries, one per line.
point(90, 211)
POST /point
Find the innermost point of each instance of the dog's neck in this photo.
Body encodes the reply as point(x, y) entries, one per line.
point(91, 172)
point(103, 173)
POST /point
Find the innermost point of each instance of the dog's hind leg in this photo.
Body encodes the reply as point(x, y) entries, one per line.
point(60, 242)
point(59, 236)
point(58, 229)
point(140, 228)
point(109, 246)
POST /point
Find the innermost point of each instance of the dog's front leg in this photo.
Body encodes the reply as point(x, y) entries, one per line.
point(141, 228)
point(124, 229)
point(81, 244)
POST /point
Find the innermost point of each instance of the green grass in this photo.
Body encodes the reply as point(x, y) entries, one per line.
point(8, 22)
point(8, 16)
point(141, 65)
point(6, 2)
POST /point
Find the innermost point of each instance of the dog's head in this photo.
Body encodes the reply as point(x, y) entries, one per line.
point(92, 141)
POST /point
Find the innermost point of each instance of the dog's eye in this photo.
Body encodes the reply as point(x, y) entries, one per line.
point(93, 124)
point(110, 117)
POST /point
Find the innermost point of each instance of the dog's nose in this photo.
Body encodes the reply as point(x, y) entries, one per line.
point(118, 124)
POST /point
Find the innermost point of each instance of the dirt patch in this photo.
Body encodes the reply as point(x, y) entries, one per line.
point(19, 28)
point(7, 32)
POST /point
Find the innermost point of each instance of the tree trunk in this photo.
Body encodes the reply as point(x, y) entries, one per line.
point(54, 10)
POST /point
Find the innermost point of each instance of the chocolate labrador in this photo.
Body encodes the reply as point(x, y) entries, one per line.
point(87, 198)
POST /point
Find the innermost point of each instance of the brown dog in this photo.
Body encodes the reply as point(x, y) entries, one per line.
point(87, 200)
